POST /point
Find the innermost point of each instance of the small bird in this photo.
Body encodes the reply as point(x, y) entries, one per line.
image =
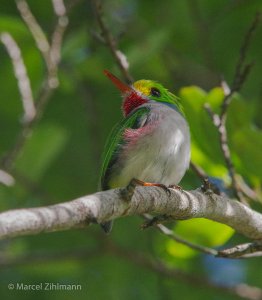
point(151, 143)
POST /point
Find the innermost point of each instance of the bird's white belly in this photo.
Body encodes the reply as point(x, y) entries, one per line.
point(160, 157)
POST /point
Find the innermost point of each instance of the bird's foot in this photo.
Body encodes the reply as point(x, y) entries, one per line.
point(175, 187)
point(156, 220)
point(144, 183)
point(128, 191)
point(209, 187)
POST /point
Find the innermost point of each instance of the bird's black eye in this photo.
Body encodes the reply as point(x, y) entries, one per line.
point(155, 92)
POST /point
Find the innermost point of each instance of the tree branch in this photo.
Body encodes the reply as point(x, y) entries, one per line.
point(21, 76)
point(6, 178)
point(242, 251)
point(241, 72)
point(51, 53)
point(207, 185)
point(35, 29)
point(110, 41)
point(107, 205)
point(175, 237)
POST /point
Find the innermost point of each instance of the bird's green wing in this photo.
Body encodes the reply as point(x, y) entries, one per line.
point(115, 140)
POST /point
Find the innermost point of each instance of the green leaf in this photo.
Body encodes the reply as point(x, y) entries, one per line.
point(240, 114)
point(211, 167)
point(14, 25)
point(200, 231)
point(247, 144)
point(204, 136)
point(214, 98)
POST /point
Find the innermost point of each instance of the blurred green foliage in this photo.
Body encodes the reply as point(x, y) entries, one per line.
point(186, 45)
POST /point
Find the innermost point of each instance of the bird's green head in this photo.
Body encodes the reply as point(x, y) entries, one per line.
point(156, 91)
point(144, 91)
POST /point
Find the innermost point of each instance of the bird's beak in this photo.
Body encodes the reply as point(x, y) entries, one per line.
point(124, 88)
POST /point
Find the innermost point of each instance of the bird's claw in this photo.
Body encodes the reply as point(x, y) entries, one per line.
point(128, 191)
point(143, 183)
point(155, 220)
point(175, 187)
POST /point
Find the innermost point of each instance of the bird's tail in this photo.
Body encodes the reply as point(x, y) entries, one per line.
point(107, 226)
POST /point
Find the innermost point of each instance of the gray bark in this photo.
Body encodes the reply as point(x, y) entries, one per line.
point(107, 205)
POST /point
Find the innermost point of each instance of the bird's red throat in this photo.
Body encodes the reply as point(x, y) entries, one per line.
point(132, 101)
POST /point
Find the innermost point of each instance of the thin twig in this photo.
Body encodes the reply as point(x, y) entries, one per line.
point(59, 8)
point(243, 51)
point(214, 117)
point(35, 29)
point(56, 40)
point(166, 231)
point(242, 251)
point(199, 171)
point(21, 75)
point(241, 73)
point(247, 250)
point(242, 70)
point(51, 54)
point(6, 178)
point(120, 58)
point(246, 189)
point(204, 177)
point(180, 240)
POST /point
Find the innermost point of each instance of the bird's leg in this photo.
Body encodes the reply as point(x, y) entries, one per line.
point(156, 220)
point(144, 183)
point(161, 218)
point(128, 191)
